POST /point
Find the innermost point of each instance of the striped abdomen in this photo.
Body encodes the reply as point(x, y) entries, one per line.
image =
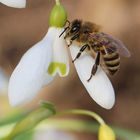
point(111, 61)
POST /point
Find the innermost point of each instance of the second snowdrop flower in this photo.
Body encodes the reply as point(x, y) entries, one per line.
point(14, 3)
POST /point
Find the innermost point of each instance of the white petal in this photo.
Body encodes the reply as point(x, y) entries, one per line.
point(14, 3)
point(99, 87)
point(60, 62)
point(31, 73)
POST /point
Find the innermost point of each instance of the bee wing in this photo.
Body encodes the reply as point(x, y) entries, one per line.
point(115, 44)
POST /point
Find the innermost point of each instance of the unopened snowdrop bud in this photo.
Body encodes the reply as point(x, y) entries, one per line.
point(106, 133)
point(14, 3)
point(58, 15)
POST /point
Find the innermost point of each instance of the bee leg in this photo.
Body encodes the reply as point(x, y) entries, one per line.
point(89, 48)
point(80, 52)
point(73, 38)
point(95, 66)
point(94, 69)
point(70, 43)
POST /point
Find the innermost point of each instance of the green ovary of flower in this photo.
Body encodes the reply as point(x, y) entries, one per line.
point(106, 133)
point(56, 65)
point(58, 16)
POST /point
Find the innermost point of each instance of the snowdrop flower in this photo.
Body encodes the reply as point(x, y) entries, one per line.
point(14, 3)
point(41, 63)
point(49, 57)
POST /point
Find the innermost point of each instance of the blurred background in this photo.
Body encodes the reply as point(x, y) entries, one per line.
point(20, 29)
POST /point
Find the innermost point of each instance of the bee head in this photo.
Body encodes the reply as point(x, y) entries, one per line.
point(72, 29)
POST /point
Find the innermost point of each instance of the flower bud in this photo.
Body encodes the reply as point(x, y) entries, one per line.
point(106, 133)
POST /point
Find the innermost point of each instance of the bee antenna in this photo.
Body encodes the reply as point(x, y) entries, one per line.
point(64, 31)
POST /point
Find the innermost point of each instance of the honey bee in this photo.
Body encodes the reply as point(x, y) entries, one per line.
point(105, 47)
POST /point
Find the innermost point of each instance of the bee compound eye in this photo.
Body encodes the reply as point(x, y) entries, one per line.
point(74, 29)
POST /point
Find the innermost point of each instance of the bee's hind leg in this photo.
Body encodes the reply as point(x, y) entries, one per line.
point(80, 52)
point(95, 66)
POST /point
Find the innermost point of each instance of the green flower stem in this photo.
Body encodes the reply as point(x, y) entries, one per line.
point(86, 126)
point(35, 117)
point(57, 2)
point(69, 125)
point(17, 116)
point(84, 112)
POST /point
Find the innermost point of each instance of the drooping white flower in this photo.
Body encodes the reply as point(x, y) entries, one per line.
point(41, 63)
point(49, 57)
point(99, 87)
point(14, 3)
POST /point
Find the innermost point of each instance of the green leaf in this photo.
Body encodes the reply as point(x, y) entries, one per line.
point(25, 136)
point(32, 119)
point(14, 117)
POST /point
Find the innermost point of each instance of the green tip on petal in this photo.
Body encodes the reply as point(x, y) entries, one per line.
point(106, 133)
point(58, 16)
point(54, 66)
